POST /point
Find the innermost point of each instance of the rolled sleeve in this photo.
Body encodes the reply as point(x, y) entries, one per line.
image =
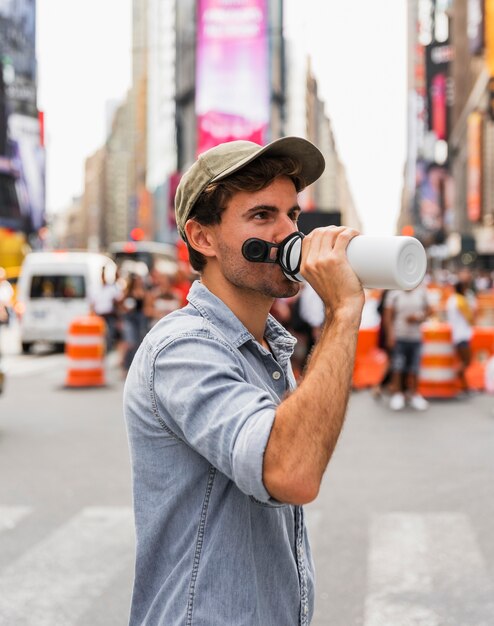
point(202, 394)
point(248, 455)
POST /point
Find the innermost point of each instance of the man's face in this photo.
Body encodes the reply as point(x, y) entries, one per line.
point(270, 214)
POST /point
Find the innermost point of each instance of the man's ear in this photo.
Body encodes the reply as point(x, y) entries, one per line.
point(200, 238)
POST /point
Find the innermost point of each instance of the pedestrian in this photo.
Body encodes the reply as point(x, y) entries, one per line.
point(225, 449)
point(104, 304)
point(383, 344)
point(134, 321)
point(6, 297)
point(404, 312)
point(162, 297)
point(460, 308)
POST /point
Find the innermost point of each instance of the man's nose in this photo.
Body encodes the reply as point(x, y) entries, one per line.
point(286, 227)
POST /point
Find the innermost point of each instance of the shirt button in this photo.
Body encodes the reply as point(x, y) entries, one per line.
point(276, 375)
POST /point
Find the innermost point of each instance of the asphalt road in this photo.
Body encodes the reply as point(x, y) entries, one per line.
point(402, 531)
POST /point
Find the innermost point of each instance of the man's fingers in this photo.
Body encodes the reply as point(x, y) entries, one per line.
point(343, 239)
point(323, 241)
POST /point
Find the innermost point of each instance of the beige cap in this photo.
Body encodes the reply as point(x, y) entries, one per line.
point(227, 158)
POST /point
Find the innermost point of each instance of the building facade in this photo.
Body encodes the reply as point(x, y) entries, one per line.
point(448, 188)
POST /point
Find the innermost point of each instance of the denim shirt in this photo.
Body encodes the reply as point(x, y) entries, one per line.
point(213, 548)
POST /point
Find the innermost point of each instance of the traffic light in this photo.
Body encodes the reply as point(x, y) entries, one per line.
point(137, 234)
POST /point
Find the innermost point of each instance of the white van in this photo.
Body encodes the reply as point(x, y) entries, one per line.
point(53, 289)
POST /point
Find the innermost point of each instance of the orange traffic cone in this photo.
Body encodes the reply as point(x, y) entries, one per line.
point(85, 351)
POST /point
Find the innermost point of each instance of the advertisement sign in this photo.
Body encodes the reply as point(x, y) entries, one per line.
point(18, 54)
point(232, 72)
point(475, 25)
point(438, 56)
point(433, 204)
point(474, 166)
point(489, 35)
point(28, 155)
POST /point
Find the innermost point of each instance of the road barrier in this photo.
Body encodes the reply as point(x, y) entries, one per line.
point(85, 351)
point(371, 362)
point(482, 347)
point(438, 368)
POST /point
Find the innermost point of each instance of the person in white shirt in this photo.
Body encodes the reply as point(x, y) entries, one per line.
point(404, 312)
point(104, 304)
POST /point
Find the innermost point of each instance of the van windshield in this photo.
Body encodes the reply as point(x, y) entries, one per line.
point(58, 286)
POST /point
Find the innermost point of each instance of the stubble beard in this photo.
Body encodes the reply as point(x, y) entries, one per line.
point(266, 279)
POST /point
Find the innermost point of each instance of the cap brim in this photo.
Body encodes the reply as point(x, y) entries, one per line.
point(302, 150)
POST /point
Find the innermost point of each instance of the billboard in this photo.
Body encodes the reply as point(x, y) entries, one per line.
point(474, 166)
point(21, 142)
point(489, 35)
point(28, 156)
point(433, 202)
point(438, 57)
point(18, 53)
point(475, 25)
point(232, 72)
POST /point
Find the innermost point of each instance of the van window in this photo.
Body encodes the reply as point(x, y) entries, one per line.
point(58, 286)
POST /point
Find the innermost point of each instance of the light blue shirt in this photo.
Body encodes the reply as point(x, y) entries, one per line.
point(213, 549)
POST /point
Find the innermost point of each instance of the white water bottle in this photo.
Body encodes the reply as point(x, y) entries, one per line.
point(380, 261)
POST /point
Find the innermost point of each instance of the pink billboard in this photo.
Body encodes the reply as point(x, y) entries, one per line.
point(232, 75)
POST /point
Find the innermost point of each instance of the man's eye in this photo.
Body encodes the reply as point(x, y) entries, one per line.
point(261, 215)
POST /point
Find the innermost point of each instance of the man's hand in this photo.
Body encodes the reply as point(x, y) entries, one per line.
point(308, 422)
point(325, 266)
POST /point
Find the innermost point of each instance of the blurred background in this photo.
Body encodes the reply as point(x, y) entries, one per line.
point(103, 106)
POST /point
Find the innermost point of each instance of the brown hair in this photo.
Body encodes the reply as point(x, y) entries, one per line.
point(253, 177)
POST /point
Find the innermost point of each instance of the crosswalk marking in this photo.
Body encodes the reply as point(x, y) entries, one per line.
point(59, 579)
point(425, 569)
point(10, 516)
point(19, 366)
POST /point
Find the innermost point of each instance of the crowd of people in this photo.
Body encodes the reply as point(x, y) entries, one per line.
point(399, 316)
point(133, 303)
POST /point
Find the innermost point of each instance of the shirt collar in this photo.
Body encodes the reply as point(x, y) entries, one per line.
point(218, 313)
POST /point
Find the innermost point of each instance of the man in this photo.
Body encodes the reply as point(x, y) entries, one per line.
point(224, 449)
point(404, 312)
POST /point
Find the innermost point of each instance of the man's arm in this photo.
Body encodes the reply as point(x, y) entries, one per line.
point(308, 423)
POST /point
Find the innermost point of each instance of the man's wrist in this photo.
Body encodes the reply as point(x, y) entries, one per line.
point(347, 315)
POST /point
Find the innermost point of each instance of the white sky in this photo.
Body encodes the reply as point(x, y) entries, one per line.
point(358, 49)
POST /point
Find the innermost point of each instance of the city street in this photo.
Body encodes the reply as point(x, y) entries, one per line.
point(402, 530)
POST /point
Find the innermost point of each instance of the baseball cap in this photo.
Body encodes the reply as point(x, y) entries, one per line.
point(226, 158)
